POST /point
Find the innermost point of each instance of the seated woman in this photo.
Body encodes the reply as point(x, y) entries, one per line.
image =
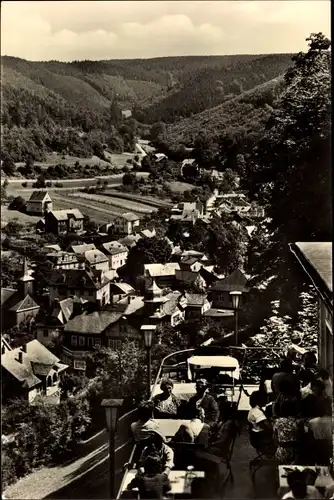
point(315, 397)
point(289, 431)
point(152, 483)
point(260, 429)
point(145, 424)
point(205, 401)
point(157, 447)
point(320, 429)
point(196, 431)
point(166, 404)
point(299, 489)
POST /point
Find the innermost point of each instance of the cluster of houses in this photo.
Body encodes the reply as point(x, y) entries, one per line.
point(90, 305)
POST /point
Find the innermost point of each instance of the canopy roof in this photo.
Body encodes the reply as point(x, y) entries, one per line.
point(227, 364)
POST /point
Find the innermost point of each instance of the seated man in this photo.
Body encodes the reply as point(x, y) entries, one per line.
point(157, 447)
point(152, 483)
point(144, 426)
point(196, 431)
point(284, 378)
point(205, 401)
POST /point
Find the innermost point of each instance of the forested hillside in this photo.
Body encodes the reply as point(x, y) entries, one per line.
point(209, 86)
point(76, 107)
point(245, 112)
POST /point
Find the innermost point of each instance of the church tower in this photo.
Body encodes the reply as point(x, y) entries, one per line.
point(26, 281)
point(154, 298)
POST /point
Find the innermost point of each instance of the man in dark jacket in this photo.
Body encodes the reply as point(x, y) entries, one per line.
point(207, 402)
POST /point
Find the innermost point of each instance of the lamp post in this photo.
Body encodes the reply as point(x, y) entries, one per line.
point(148, 331)
point(236, 296)
point(111, 407)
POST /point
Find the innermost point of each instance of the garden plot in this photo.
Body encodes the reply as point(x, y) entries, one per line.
point(125, 205)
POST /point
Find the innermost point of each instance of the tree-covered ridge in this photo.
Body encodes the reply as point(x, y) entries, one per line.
point(247, 111)
point(210, 86)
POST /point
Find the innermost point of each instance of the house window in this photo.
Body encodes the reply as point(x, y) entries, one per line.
point(82, 341)
point(74, 340)
point(45, 333)
point(114, 344)
point(79, 364)
point(49, 381)
point(90, 342)
point(55, 378)
point(98, 342)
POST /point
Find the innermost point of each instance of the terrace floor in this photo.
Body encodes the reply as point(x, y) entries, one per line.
point(266, 479)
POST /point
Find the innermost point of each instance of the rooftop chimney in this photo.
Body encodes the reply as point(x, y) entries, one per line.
point(24, 348)
point(20, 357)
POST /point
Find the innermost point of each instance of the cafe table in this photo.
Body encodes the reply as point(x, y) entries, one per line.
point(323, 479)
point(180, 480)
point(170, 426)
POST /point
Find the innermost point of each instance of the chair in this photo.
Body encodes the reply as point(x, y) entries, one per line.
point(220, 452)
point(265, 454)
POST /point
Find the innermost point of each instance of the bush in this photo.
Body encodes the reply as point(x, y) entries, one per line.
point(17, 203)
point(59, 184)
point(44, 434)
point(24, 184)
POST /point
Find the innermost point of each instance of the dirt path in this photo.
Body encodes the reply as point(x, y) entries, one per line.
point(47, 480)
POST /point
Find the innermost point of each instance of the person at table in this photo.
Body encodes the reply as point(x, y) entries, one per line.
point(313, 399)
point(152, 483)
point(320, 429)
point(285, 379)
point(325, 378)
point(309, 370)
point(299, 489)
point(157, 447)
point(205, 401)
point(145, 424)
point(288, 431)
point(166, 404)
point(261, 433)
point(195, 431)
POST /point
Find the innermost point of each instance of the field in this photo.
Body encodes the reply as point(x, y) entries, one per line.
point(15, 185)
point(8, 215)
point(99, 208)
point(68, 160)
point(148, 200)
point(180, 187)
point(114, 203)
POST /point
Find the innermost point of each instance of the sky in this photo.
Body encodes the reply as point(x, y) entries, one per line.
point(76, 30)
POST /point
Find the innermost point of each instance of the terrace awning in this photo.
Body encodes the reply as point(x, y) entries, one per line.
point(228, 365)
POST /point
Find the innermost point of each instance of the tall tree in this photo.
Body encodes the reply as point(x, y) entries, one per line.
point(290, 168)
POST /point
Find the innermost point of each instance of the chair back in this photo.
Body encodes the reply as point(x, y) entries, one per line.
point(226, 438)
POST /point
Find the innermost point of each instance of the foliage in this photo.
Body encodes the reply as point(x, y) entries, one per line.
point(10, 269)
point(13, 227)
point(18, 203)
point(198, 91)
point(71, 383)
point(147, 251)
point(279, 331)
point(289, 170)
point(115, 374)
point(43, 433)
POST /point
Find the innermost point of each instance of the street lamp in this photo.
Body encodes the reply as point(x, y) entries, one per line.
point(236, 296)
point(111, 407)
point(148, 331)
